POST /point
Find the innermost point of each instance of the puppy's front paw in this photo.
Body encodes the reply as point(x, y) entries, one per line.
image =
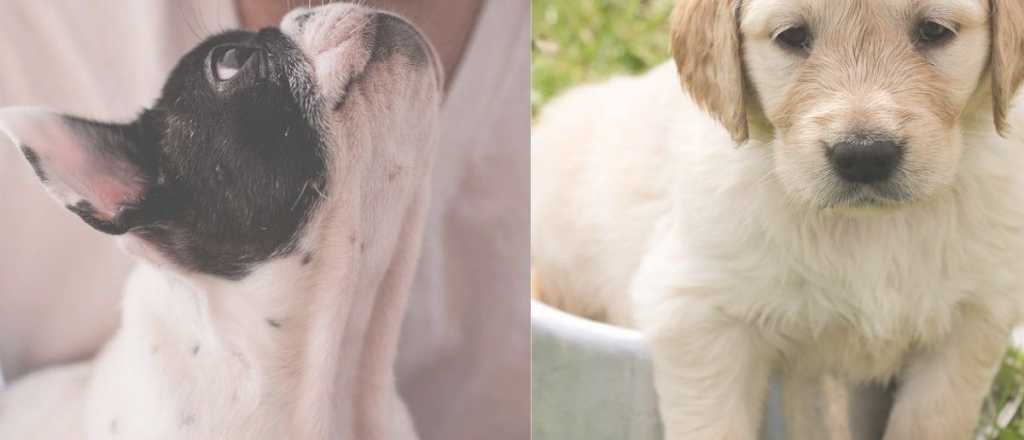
point(711, 373)
point(942, 390)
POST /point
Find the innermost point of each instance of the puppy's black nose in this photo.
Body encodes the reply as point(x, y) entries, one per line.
point(865, 162)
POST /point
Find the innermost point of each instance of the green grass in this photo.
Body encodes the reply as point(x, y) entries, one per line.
point(578, 41)
point(1002, 418)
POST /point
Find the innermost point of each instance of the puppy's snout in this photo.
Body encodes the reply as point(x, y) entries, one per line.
point(865, 161)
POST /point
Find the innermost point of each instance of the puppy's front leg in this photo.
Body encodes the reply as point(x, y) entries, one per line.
point(943, 388)
point(710, 371)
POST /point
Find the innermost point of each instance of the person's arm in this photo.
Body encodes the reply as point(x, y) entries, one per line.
point(447, 23)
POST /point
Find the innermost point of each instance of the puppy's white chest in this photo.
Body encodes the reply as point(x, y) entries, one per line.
point(861, 317)
point(855, 296)
point(860, 335)
point(137, 395)
point(169, 374)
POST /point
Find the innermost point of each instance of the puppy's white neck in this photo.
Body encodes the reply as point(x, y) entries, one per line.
point(256, 348)
point(206, 348)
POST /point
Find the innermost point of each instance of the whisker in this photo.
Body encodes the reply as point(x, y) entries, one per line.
point(301, 193)
point(184, 18)
point(359, 28)
point(197, 12)
point(321, 193)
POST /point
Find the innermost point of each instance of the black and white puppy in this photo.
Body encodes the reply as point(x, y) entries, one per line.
point(274, 196)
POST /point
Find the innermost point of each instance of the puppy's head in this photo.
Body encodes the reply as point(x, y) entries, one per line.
point(244, 147)
point(864, 101)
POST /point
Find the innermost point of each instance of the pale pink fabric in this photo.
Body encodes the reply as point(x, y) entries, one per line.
point(464, 360)
point(60, 281)
point(465, 356)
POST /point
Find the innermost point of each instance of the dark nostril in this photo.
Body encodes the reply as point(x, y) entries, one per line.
point(865, 162)
point(395, 35)
point(301, 19)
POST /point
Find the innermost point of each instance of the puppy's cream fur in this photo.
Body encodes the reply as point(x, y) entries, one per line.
point(740, 260)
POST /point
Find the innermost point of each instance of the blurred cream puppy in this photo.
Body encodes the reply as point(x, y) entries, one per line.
point(839, 195)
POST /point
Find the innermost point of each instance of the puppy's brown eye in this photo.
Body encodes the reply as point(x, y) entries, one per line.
point(932, 33)
point(227, 61)
point(794, 38)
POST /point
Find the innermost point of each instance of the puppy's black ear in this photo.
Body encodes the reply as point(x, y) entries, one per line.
point(99, 171)
point(707, 49)
point(1007, 57)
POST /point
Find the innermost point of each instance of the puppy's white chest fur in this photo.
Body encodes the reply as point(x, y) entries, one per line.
point(186, 363)
point(855, 296)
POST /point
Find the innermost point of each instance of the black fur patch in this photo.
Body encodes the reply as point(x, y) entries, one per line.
point(235, 156)
point(87, 212)
point(226, 165)
point(33, 159)
point(393, 35)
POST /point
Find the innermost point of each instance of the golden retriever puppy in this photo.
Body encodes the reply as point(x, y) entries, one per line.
point(839, 194)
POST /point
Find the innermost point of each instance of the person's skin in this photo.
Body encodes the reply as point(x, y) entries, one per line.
point(448, 24)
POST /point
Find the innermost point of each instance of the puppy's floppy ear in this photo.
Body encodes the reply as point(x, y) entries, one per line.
point(1007, 57)
point(98, 171)
point(707, 49)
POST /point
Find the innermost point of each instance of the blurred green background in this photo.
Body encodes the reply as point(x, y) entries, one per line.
point(577, 41)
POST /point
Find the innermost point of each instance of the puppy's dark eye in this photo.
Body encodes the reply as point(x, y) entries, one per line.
point(931, 33)
point(794, 38)
point(227, 61)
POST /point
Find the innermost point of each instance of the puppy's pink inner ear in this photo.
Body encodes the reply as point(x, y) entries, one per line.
point(71, 161)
